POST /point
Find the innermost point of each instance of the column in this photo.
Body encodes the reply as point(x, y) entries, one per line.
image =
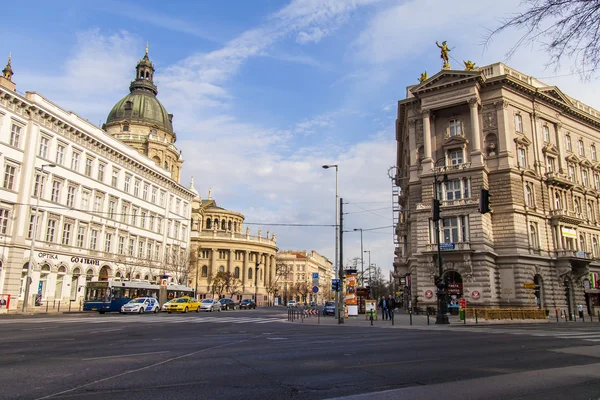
point(245, 272)
point(213, 263)
point(230, 261)
point(476, 156)
point(505, 152)
point(427, 162)
point(559, 144)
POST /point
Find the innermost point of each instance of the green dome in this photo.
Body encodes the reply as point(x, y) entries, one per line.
point(141, 107)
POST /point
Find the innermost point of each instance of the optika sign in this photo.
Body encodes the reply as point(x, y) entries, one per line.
point(85, 260)
point(48, 255)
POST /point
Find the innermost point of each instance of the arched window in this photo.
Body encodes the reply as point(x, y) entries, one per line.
point(166, 165)
point(137, 276)
point(204, 271)
point(577, 206)
point(208, 223)
point(221, 269)
point(557, 202)
point(89, 274)
point(236, 272)
point(223, 225)
point(229, 225)
point(118, 274)
point(249, 273)
point(533, 236)
point(235, 226)
point(568, 143)
point(528, 195)
point(147, 277)
point(590, 211)
point(582, 245)
point(216, 223)
point(595, 246)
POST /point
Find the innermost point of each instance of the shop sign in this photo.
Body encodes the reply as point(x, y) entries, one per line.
point(529, 285)
point(429, 294)
point(49, 256)
point(84, 260)
point(454, 288)
point(475, 294)
point(569, 232)
point(446, 246)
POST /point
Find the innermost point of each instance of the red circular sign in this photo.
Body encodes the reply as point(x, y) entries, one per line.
point(428, 294)
point(475, 295)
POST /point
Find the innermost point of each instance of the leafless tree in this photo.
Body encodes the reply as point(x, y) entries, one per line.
point(281, 273)
point(232, 284)
point(568, 28)
point(178, 263)
point(218, 283)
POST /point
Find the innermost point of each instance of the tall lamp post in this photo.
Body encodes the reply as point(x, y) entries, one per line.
point(442, 315)
point(33, 236)
point(362, 261)
point(259, 259)
point(338, 297)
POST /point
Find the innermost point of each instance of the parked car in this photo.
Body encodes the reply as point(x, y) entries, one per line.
point(141, 305)
point(183, 304)
point(329, 308)
point(227, 304)
point(210, 305)
point(247, 304)
point(292, 303)
point(164, 306)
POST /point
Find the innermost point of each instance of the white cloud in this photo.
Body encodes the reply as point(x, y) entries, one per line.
point(314, 35)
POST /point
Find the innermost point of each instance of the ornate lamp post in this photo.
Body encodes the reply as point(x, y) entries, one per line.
point(442, 314)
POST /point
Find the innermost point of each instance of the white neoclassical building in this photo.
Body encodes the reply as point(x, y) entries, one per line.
point(106, 209)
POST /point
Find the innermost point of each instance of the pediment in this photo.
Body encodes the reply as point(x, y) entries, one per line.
point(549, 148)
point(572, 158)
point(455, 141)
point(596, 166)
point(445, 79)
point(522, 140)
point(586, 163)
point(556, 94)
point(531, 173)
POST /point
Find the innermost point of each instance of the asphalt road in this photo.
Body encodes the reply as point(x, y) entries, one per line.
point(256, 354)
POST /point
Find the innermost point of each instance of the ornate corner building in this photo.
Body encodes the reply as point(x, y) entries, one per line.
point(535, 149)
point(219, 243)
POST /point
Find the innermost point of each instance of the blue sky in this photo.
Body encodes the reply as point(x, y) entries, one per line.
point(264, 92)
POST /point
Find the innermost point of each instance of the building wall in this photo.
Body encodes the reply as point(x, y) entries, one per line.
point(295, 276)
point(51, 135)
point(513, 136)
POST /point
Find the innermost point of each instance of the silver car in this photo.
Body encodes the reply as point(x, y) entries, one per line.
point(210, 305)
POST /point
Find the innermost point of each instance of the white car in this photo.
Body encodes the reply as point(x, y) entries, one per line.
point(164, 306)
point(141, 305)
point(292, 303)
point(210, 305)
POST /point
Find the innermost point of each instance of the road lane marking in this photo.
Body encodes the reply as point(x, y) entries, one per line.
point(146, 367)
point(107, 330)
point(123, 355)
point(393, 363)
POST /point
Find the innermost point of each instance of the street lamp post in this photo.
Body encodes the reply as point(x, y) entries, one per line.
point(442, 316)
point(338, 297)
point(362, 261)
point(33, 235)
point(258, 262)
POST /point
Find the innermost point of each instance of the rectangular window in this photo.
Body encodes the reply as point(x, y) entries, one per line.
point(551, 164)
point(9, 176)
point(154, 190)
point(112, 205)
point(98, 203)
point(584, 177)
point(176, 233)
point(162, 198)
point(141, 249)
point(157, 251)
point(89, 163)
point(597, 181)
point(453, 190)
point(55, 196)
point(145, 191)
point(151, 223)
point(131, 246)
point(50, 230)
point(455, 157)
point(160, 225)
point(522, 157)
point(568, 143)
point(171, 203)
point(518, 123)
point(71, 191)
point(124, 212)
point(93, 239)
point(136, 188)
point(115, 178)
point(450, 230)
point(594, 155)
point(121, 244)
point(546, 133)
point(149, 251)
point(75, 161)
point(134, 212)
point(31, 227)
point(581, 149)
point(80, 236)
point(455, 127)
point(60, 154)
point(185, 208)
point(4, 220)
point(44, 143)
point(85, 200)
point(127, 183)
point(184, 233)
point(15, 136)
point(101, 170)
point(66, 236)
point(108, 242)
point(143, 219)
point(572, 173)
point(178, 206)
point(38, 186)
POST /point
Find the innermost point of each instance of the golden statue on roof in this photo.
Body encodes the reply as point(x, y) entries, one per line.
point(469, 65)
point(423, 77)
point(146, 48)
point(444, 49)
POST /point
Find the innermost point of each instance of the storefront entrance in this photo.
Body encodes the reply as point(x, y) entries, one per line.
point(454, 290)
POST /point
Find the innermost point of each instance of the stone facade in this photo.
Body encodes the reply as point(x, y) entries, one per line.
point(534, 149)
point(219, 243)
point(295, 270)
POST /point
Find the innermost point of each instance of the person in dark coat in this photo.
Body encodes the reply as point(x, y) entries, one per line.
point(383, 305)
point(391, 306)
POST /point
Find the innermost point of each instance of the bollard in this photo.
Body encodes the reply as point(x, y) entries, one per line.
point(318, 317)
point(53, 304)
point(582, 317)
point(476, 320)
point(427, 317)
point(464, 317)
point(70, 302)
point(59, 306)
point(47, 306)
point(410, 313)
point(598, 316)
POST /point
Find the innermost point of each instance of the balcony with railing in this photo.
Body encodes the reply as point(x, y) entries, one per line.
point(567, 216)
point(235, 236)
point(445, 169)
point(574, 254)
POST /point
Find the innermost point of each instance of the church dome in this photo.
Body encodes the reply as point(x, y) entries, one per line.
point(140, 106)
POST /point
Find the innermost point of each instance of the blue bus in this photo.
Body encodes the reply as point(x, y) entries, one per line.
point(110, 295)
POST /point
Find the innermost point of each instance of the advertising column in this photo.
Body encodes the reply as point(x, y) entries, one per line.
point(351, 299)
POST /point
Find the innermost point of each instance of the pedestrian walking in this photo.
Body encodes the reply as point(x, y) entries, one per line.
point(383, 305)
point(580, 310)
point(391, 306)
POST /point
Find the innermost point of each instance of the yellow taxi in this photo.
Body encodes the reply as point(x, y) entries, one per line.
point(183, 304)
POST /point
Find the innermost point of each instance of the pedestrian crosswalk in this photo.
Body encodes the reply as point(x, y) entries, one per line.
point(149, 319)
point(590, 334)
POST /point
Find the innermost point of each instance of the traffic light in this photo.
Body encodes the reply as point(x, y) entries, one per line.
point(435, 211)
point(335, 285)
point(484, 201)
